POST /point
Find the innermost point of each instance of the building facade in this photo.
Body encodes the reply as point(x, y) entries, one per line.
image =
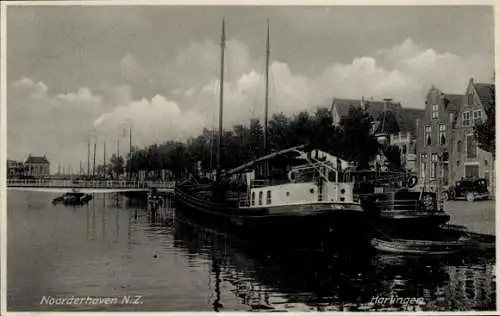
point(37, 166)
point(472, 161)
point(14, 168)
point(446, 147)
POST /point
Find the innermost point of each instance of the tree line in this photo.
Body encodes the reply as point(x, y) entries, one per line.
point(351, 140)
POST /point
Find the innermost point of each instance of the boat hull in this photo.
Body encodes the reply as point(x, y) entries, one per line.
point(324, 223)
point(411, 224)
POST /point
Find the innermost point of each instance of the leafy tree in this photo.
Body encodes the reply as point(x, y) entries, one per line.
point(358, 144)
point(485, 131)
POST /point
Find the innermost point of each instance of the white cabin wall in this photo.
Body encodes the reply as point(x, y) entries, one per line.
point(332, 192)
point(298, 193)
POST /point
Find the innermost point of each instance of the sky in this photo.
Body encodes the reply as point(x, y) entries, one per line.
point(79, 73)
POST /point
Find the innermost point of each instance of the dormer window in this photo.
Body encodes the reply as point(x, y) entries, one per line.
point(470, 98)
point(435, 111)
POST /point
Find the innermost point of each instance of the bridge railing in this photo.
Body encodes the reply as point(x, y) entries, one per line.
point(95, 184)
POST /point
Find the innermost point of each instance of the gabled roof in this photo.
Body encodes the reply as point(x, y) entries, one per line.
point(376, 107)
point(485, 92)
point(372, 107)
point(454, 101)
point(402, 120)
point(37, 159)
point(344, 105)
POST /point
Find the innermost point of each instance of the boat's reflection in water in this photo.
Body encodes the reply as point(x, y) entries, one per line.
point(279, 277)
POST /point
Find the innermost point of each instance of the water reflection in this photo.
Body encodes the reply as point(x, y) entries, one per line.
point(117, 246)
point(284, 279)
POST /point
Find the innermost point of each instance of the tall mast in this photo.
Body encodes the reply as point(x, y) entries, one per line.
point(104, 160)
point(95, 149)
point(88, 157)
point(221, 97)
point(266, 140)
point(130, 152)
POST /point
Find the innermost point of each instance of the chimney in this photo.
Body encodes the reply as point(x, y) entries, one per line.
point(363, 102)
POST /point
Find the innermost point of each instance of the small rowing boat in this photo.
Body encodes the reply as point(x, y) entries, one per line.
point(72, 198)
point(419, 247)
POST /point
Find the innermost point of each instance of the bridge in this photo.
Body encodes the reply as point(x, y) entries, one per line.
point(88, 186)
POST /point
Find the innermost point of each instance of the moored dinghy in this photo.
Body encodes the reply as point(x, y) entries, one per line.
point(73, 198)
point(419, 247)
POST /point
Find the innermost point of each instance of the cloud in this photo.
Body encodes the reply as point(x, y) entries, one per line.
point(56, 125)
point(131, 69)
point(153, 121)
point(188, 101)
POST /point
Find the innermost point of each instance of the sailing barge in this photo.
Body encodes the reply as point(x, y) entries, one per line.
point(283, 194)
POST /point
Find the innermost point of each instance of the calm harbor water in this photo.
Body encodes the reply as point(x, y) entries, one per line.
point(114, 247)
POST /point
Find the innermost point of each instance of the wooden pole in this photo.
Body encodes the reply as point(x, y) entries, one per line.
point(221, 99)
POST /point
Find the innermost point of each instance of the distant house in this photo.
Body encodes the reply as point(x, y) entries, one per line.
point(37, 166)
point(392, 123)
point(14, 168)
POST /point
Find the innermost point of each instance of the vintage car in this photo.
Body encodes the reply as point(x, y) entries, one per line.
point(469, 189)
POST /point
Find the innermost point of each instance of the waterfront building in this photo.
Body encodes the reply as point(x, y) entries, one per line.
point(392, 124)
point(37, 166)
point(447, 150)
point(14, 168)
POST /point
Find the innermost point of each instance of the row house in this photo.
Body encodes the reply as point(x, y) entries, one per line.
point(392, 123)
point(446, 146)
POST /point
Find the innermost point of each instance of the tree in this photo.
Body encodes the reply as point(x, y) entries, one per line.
point(485, 131)
point(117, 164)
point(358, 143)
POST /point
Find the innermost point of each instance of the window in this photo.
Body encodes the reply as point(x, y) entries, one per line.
point(435, 111)
point(268, 197)
point(459, 146)
point(444, 173)
point(428, 138)
point(487, 177)
point(471, 146)
point(423, 165)
point(260, 198)
point(434, 159)
point(476, 116)
point(253, 198)
point(442, 134)
point(466, 119)
point(470, 99)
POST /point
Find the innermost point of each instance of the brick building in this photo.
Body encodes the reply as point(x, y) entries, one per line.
point(446, 147)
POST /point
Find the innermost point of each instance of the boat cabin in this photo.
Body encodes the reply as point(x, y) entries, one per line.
point(295, 177)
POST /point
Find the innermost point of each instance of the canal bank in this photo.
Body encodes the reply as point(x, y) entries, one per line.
point(478, 216)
